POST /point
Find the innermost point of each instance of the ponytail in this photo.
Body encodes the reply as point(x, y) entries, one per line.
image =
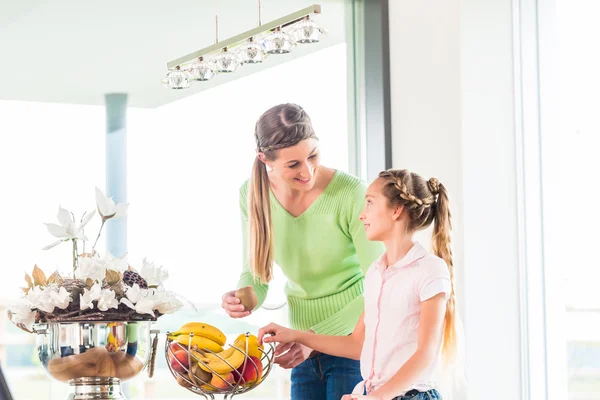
point(261, 250)
point(441, 243)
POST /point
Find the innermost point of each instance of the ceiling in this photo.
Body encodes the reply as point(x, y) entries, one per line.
point(75, 51)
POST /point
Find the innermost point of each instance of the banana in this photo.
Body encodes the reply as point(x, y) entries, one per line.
point(225, 354)
point(230, 359)
point(201, 329)
point(223, 363)
point(201, 342)
point(253, 347)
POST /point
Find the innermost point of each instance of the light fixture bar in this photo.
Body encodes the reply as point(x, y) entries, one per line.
point(242, 37)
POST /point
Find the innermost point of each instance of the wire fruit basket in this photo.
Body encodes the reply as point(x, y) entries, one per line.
point(237, 370)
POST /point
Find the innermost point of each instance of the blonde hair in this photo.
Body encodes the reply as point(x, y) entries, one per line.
point(426, 201)
point(279, 127)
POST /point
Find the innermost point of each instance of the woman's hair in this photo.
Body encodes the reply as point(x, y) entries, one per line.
point(279, 127)
point(424, 202)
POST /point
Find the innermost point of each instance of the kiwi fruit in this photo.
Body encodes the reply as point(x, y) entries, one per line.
point(247, 297)
point(199, 376)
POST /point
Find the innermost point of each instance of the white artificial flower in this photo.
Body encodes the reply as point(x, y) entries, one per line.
point(115, 264)
point(152, 274)
point(145, 306)
point(67, 228)
point(40, 299)
point(88, 296)
point(20, 306)
point(22, 313)
point(107, 300)
point(107, 207)
point(137, 299)
point(92, 268)
point(61, 298)
point(166, 302)
point(135, 294)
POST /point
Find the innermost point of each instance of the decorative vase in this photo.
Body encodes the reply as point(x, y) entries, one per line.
point(95, 357)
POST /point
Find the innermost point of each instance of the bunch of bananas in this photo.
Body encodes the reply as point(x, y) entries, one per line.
point(196, 352)
point(205, 336)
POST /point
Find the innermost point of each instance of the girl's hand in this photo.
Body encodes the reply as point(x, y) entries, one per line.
point(279, 334)
point(359, 396)
point(233, 306)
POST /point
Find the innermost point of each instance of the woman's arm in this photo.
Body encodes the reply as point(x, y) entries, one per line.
point(431, 326)
point(341, 346)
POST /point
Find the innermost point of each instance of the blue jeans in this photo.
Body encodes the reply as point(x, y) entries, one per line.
point(414, 395)
point(324, 377)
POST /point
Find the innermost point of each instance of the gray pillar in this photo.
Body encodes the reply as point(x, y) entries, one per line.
point(116, 169)
point(377, 87)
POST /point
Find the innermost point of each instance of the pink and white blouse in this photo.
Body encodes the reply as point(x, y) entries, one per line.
point(393, 297)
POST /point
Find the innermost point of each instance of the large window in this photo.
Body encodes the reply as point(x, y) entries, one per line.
point(570, 169)
point(566, 153)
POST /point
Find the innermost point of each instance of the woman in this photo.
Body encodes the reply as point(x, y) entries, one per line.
point(304, 217)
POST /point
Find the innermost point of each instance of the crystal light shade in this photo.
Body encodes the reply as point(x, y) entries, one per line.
point(279, 42)
point(177, 79)
point(202, 70)
point(227, 62)
point(252, 52)
point(307, 31)
point(253, 46)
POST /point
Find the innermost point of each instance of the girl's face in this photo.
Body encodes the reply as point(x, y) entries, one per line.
point(377, 216)
point(297, 165)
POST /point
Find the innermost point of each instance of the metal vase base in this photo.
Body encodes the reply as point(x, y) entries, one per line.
point(95, 388)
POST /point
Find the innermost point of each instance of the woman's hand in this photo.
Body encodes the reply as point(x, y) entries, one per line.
point(288, 353)
point(233, 305)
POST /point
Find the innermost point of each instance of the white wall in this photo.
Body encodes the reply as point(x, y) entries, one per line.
point(453, 118)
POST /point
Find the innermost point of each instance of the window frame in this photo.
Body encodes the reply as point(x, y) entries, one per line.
point(543, 340)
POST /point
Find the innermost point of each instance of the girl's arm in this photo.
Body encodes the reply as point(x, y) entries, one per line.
point(431, 326)
point(341, 346)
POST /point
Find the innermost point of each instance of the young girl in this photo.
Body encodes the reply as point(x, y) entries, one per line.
point(409, 295)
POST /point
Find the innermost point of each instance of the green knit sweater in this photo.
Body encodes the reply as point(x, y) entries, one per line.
point(324, 254)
